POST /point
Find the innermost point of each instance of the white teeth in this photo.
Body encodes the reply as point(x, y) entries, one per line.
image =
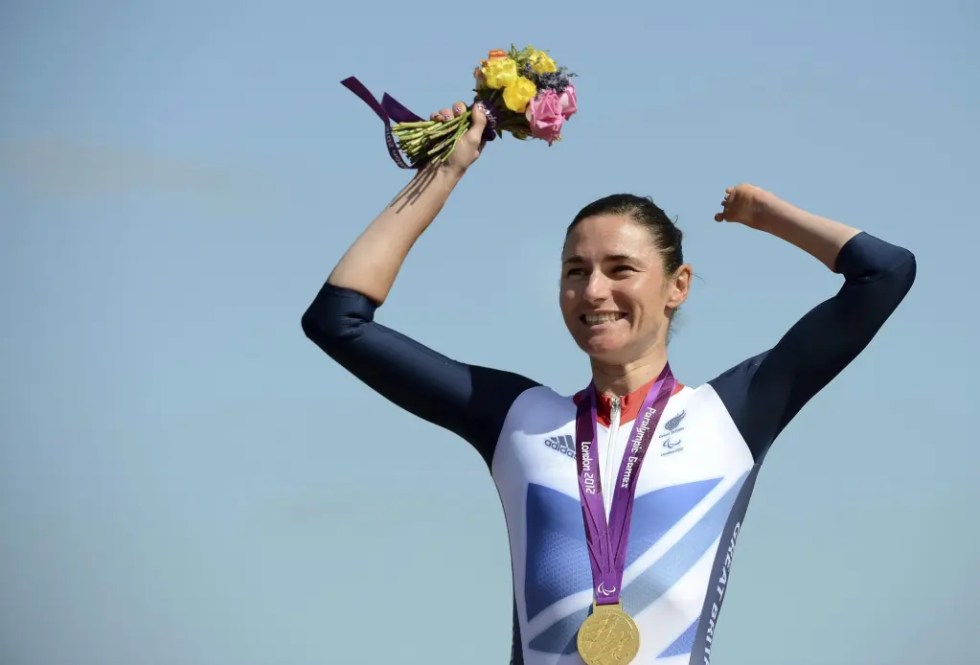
point(593, 319)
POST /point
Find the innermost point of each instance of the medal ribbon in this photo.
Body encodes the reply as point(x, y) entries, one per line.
point(607, 541)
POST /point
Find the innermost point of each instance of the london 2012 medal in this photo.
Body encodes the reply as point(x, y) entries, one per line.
point(608, 636)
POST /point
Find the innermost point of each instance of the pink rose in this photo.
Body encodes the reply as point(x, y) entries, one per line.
point(544, 114)
point(569, 103)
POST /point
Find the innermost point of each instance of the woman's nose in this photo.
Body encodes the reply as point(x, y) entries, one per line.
point(597, 287)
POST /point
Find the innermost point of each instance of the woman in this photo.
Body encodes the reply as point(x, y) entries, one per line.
point(623, 502)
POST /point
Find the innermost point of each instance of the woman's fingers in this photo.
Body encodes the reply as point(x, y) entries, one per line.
point(442, 115)
point(725, 205)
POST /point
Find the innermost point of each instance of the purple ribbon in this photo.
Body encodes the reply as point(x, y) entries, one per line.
point(390, 109)
point(607, 542)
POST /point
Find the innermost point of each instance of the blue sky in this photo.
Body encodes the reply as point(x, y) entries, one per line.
point(185, 479)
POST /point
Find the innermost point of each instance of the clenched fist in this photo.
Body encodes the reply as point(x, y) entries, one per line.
point(745, 204)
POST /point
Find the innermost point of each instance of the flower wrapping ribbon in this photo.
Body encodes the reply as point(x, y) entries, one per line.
point(390, 109)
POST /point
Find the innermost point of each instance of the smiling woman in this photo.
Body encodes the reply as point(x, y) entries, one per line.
point(622, 280)
point(624, 500)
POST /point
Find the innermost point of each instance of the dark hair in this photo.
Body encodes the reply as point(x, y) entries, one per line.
point(642, 210)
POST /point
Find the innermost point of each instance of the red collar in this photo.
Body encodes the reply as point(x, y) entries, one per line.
point(629, 405)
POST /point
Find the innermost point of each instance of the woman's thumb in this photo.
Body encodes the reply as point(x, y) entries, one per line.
point(479, 121)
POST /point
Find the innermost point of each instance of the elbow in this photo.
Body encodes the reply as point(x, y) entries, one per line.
point(867, 258)
point(328, 333)
point(871, 259)
point(313, 326)
point(321, 322)
point(895, 279)
point(336, 319)
point(322, 327)
point(904, 270)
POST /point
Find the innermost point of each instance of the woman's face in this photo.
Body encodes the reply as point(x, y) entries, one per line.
point(615, 298)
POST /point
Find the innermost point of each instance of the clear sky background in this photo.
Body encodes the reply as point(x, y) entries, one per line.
point(186, 480)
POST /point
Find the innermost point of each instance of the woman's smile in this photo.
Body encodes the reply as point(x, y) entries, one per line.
point(596, 319)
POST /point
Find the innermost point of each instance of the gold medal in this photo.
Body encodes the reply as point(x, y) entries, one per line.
point(608, 636)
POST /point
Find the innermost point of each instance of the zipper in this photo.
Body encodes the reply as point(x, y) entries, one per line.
point(607, 482)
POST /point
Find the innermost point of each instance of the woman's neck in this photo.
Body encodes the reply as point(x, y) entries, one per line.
point(621, 380)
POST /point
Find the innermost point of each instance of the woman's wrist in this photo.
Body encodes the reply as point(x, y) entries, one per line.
point(445, 174)
point(819, 236)
point(771, 212)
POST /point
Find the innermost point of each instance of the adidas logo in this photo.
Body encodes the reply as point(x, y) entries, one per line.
point(563, 444)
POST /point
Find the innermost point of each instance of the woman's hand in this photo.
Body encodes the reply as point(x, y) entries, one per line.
point(470, 144)
point(754, 207)
point(745, 204)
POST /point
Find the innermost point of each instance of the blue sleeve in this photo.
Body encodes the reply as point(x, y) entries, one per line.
point(468, 400)
point(766, 391)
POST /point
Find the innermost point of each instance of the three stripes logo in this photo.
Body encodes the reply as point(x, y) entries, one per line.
point(563, 444)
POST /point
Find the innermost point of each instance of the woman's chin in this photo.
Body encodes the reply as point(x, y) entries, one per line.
point(604, 350)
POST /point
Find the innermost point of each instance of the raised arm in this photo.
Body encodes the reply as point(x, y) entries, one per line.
point(373, 261)
point(820, 237)
point(468, 400)
point(765, 392)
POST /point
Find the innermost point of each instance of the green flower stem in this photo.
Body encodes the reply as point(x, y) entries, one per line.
point(448, 129)
point(444, 149)
point(449, 139)
point(426, 135)
point(424, 126)
point(439, 147)
point(463, 126)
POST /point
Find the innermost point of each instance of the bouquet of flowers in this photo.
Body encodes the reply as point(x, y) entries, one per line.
point(525, 93)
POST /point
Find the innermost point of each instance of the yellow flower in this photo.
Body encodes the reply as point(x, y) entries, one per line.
point(519, 94)
point(541, 62)
point(500, 72)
